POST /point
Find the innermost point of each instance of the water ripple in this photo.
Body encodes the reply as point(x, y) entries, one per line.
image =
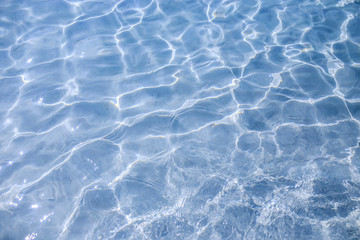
point(156, 119)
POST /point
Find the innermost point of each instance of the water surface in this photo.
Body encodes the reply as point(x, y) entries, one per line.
point(170, 119)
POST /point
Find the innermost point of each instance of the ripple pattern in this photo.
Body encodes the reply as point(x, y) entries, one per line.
point(192, 119)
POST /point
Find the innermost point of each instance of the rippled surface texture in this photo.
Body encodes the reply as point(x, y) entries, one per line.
point(186, 119)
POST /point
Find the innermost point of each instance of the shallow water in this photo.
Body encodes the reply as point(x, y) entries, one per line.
point(172, 119)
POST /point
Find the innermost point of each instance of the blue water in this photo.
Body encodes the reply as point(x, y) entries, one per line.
point(169, 119)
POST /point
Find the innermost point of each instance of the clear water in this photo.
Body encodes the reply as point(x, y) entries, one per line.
point(186, 119)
